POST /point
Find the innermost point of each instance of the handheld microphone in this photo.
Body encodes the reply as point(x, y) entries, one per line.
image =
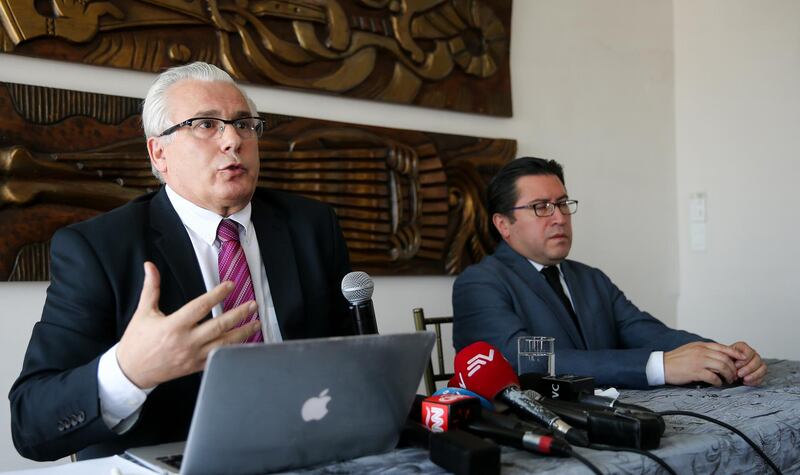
point(611, 403)
point(604, 425)
point(580, 389)
point(452, 412)
point(357, 289)
point(481, 368)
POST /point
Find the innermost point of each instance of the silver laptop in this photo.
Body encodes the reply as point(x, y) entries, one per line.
point(272, 407)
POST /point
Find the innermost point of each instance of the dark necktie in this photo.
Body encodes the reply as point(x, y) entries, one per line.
point(553, 278)
point(233, 267)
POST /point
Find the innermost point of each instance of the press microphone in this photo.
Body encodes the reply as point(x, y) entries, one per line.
point(357, 289)
point(616, 406)
point(568, 387)
point(448, 412)
point(482, 368)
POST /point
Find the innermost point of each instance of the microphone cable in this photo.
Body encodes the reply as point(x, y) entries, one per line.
point(646, 453)
point(730, 428)
point(580, 458)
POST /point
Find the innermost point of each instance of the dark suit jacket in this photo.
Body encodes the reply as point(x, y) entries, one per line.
point(504, 297)
point(96, 278)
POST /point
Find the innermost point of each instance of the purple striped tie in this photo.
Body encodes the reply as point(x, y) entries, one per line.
point(233, 267)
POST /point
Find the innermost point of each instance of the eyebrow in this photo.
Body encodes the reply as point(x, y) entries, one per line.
point(545, 200)
point(216, 113)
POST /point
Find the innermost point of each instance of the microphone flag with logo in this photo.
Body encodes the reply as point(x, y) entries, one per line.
point(498, 375)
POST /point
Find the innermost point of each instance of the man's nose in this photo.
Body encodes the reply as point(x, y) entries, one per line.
point(558, 217)
point(229, 138)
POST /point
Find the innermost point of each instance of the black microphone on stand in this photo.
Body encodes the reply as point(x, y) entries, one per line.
point(357, 289)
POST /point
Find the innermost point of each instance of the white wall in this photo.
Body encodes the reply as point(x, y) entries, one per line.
point(737, 139)
point(592, 88)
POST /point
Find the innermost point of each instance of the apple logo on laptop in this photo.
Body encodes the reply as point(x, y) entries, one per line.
point(316, 407)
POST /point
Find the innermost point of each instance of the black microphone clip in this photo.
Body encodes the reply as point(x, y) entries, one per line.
point(564, 387)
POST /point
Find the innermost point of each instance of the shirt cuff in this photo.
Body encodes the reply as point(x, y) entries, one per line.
point(655, 369)
point(120, 399)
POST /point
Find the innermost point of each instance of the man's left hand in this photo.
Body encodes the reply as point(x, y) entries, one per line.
point(751, 368)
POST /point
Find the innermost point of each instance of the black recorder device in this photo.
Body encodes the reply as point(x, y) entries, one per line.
point(565, 387)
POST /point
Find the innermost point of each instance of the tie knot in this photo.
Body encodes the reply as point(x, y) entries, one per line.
point(551, 272)
point(228, 231)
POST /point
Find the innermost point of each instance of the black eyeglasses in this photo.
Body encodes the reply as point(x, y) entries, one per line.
point(208, 127)
point(544, 209)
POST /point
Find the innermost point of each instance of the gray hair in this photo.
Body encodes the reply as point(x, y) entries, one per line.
point(154, 109)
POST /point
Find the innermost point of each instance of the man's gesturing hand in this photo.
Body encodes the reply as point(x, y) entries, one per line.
point(156, 348)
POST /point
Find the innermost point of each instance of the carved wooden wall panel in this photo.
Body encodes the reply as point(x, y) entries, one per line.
point(449, 54)
point(409, 202)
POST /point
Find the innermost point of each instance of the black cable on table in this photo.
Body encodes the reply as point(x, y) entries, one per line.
point(650, 455)
point(730, 428)
point(580, 458)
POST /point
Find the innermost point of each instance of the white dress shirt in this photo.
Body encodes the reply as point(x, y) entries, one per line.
point(120, 399)
point(654, 369)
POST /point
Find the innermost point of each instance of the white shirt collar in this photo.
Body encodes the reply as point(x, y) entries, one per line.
point(203, 222)
point(539, 267)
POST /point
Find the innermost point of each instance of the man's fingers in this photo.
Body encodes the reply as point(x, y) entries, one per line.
point(237, 335)
point(240, 334)
point(746, 350)
point(196, 309)
point(756, 377)
point(222, 324)
point(710, 377)
point(752, 365)
point(151, 288)
point(721, 364)
point(725, 349)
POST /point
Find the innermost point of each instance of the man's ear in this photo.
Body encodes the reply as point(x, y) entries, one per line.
point(158, 157)
point(503, 224)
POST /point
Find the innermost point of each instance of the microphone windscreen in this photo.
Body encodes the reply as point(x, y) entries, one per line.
point(357, 287)
point(483, 369)
point(449, 411)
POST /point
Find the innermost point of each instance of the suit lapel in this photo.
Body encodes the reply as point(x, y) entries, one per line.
point(537, 283)
point(176, 250)
point(277, 252)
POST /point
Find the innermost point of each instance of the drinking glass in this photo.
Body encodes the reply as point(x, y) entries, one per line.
point(536, 355)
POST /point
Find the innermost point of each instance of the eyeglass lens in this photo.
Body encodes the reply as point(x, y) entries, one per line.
point(547, 209)
point(208, 128)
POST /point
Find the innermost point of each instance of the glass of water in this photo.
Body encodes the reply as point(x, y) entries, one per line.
point(536, 354)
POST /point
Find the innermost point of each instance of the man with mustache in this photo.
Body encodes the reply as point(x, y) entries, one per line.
point(140, 296)
point(529, 287)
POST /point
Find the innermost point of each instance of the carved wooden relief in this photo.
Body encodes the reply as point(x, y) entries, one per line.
point(409, 202)
point(449, 54)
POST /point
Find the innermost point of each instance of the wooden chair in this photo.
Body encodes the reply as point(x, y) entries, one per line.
point(432, 377)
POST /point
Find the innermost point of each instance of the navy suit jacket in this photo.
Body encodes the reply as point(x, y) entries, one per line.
point(96, 278)
point(504, 297)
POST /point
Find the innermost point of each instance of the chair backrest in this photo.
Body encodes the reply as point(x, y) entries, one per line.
point(431, 375)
